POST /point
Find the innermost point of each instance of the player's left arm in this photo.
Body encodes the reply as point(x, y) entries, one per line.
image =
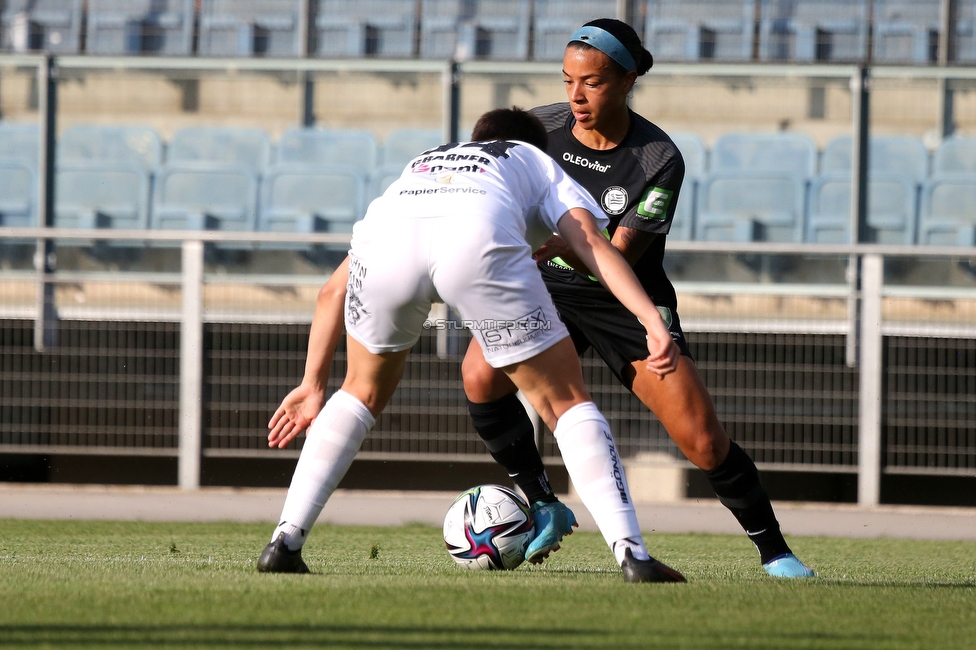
point(302, 405)
point(653, 213)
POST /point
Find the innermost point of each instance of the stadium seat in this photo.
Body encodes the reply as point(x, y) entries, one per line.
point(955, 154)
point(205, 196)
point(253, 28)
point(400, 147)
point(887, 154)
point(102, 195)
point(892, 209)
point(50, 25)
point(556, 20)
point(966, 32)
point(20, 141)
point(385, 28)
point(250, 148)
point(140, 27)
point(692, 30)
point(382, 178)
point(683, 223)
point(462, 29)
point(906, 31)
point(790, 153)
point(813, 30)
point(693, 153)
point(18, 194)
point(948, 215)
point(750, 206)
point(307, 199)
point(138, 145)
point(350, 148)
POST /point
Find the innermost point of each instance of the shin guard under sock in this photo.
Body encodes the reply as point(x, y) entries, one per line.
point(737, 485)
point(330, 446)
point(591, 458)
point(507, 432)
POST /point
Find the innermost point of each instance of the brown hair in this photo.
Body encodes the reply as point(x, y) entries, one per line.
point(511, 124)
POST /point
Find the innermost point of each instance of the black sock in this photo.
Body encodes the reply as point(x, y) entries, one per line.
point(737, 485)
point(509, 436)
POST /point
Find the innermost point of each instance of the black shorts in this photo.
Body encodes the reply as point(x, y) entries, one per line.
point(596, 319)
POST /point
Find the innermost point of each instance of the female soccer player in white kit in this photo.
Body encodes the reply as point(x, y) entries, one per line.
point(454, 228)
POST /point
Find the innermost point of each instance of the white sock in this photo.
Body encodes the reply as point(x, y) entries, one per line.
point(590, 455)
point(636, 547)
point(331, 444)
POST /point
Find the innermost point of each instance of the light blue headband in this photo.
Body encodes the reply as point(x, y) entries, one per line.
point(607, 43)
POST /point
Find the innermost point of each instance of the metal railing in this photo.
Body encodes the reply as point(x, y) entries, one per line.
point(180, 366)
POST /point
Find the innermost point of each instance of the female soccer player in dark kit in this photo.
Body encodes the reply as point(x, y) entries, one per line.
point(634, 172)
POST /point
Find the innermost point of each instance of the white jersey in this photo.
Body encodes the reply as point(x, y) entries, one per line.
point(459, 226)
point(513, 183)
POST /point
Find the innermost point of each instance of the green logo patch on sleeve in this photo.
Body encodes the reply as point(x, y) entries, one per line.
point(655, 202)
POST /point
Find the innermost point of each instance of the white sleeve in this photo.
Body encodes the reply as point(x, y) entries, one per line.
point(564, 193)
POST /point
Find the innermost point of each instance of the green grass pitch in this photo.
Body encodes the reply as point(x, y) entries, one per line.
point(167, 585)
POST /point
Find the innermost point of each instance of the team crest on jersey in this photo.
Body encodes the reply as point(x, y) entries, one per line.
point(614, 200)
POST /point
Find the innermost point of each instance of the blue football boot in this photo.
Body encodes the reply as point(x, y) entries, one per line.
point(788, 566)
point(552, 521)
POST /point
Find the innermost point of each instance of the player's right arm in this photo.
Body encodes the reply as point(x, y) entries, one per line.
point(302, 405)
point(578, 227)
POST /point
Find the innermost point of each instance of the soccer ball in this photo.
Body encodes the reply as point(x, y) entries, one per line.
point(488, 527)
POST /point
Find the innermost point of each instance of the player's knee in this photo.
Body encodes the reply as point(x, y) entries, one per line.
point(708, 448)
point(479, 380)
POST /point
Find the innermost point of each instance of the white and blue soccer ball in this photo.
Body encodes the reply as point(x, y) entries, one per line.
point(488, 527)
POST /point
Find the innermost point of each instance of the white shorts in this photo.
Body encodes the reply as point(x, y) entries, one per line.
point(399, 266)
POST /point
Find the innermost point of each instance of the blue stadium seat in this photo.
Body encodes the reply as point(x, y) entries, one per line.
point(102, 195)
point(140, 27)
point(750, 206)
point(683, 224)
point(18, 194)
point(791, 153)
point(138, 145)
point(307, 199)
point(49, 25)
point(966, 31)
point(20, 141)
point(813, 30)
point(887, 154)
point(692, 30)
point(693, 153)
point(205, 196)
point(349, 148)
point(400, 147)
point(385, 28)
point(892, 209)
point(250, 148)
point(489, 29)
point(955, 154)
point(382, 178)
point(948, 215)
point(253, 28)
point(556, 20)
point(906, 31)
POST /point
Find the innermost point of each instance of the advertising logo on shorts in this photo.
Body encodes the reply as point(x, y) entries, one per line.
point(614, 200)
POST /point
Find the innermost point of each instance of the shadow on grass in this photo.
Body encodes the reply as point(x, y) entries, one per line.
point(379, 636)
point(969, 583)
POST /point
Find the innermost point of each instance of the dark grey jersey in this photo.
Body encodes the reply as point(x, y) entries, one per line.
point(636, 184)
